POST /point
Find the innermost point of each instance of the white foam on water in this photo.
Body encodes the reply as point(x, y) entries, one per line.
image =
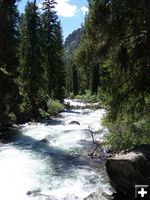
point(27, 165)
point(75, 103)
point(18, 174)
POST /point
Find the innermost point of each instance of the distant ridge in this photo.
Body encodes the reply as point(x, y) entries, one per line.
point(72, 41)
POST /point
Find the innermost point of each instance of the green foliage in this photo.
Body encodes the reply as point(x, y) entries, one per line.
point(8, 35)
point(95, 78)
point(12, 118)
point(8, 62)
point(75, 80)
point(25, 106)
point(52, 48)
point(88, 97)
point(127, 133)
point(54, 106)
point(117, 38)
point(71, 95)
point(45, 114)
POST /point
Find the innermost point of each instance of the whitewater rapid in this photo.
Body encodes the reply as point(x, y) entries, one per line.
point(58, 169)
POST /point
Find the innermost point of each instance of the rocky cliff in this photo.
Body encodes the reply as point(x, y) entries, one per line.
point(72, 41)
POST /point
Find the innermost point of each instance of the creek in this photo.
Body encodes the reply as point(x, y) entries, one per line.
point(49, 159)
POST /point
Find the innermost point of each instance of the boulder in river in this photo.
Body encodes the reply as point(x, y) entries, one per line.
point(45, 141)
point(74, 122)
point(130, 169)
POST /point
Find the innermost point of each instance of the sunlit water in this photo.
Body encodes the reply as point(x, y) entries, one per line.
point(58, 170)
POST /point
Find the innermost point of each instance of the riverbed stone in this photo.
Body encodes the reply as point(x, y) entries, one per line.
point(130, 169)
point(44, 141)
point(99, 195)
point(74, 122)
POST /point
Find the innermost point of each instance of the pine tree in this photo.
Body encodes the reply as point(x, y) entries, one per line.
point(9, 92)
point(75, 79)
point(52, 51)
point(59, 63)
point(49, 21)
point(95, 78)
point(8, 35)
point(30, 56)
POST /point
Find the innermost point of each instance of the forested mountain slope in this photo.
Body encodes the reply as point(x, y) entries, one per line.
point(72, 41)
point(70, 45)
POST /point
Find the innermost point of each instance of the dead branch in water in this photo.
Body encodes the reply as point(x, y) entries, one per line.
point(97, 143)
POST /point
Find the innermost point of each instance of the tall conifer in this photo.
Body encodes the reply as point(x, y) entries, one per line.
point(9, 93)
point(8, 35)
point(30, 55)
point(52, 49)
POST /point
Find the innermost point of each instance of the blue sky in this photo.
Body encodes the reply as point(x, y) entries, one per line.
point(70, 12)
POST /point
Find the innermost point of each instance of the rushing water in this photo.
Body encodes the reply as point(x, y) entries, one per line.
point(59, 169)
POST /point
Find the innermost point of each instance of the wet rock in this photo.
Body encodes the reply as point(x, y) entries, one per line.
point(32, 123)
point(97, 105)
point(34, 192)
point(74, 122)
point(99, 196)
point(86, 111)
point(37, 193)
point(130, 169)
point(29, 193)
point(45, 141)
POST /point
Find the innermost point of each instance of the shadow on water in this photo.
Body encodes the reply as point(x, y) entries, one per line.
point(9, 134)
point(72, 112)
point(53, 122)
point(62, 161)
point(59, 121)
point(59, 163)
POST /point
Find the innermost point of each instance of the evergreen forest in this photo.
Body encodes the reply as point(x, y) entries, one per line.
point(32, 72)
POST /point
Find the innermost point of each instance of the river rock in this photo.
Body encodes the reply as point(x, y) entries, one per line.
point(130, 169)
point(86, 111)
point(97, 105)
point(99, 195)
point(74, 122)
point(45, 141)
point(37, 193)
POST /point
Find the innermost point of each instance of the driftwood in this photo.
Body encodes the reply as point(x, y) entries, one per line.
point(96, 142)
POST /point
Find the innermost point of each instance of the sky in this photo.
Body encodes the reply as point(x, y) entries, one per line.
point(70, 12)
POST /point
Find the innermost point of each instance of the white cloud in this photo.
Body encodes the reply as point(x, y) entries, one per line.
point(84, 10)
point(64, 8)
